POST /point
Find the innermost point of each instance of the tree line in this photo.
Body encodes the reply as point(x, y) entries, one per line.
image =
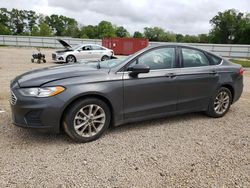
point(230, 26)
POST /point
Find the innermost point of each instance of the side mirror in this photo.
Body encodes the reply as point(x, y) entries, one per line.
point(138, 69)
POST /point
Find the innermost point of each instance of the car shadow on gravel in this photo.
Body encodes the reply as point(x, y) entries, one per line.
point(35, 136)
point(168, 120)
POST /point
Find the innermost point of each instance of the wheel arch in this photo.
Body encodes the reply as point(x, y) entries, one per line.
point(85, 96)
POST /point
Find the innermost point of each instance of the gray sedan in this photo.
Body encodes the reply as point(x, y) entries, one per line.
point(84, 99)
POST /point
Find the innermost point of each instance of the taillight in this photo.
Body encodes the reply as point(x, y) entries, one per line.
point(241, 71)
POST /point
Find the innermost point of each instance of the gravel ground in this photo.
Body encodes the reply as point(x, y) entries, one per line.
point(190, 150)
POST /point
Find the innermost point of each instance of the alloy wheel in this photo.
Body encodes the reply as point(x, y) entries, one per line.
point(70, 59)
point(221, 102)
point(89, 120)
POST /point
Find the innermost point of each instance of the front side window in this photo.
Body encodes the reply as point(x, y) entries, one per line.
point(163, 58)
point(193, 58)
point(86, 48)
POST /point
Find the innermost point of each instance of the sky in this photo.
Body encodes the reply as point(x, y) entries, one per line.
point(179, 16)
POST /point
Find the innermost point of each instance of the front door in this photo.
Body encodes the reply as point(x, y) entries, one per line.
point(152, 93)
point(85, 53)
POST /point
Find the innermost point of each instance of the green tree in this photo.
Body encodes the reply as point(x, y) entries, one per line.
point(70, 27)
point(244, 30)
point(56, 23)
point(17, 21)
point(35, 31)
point(191, 39)
point(4, 17)
point(44, 30)
point(158, 34)
point(32, 18)
point(121, 32)
point(4, 30)
point(226, 26)
point(89, 31)
point(179, 38)
point(153, 33)
point(169, 37)
point(203, 38)
point(138, 34)
point(105, 29)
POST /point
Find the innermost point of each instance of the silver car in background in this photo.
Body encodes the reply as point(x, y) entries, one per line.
point(88, 52)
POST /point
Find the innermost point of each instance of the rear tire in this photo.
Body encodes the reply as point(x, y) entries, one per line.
point(105, 58)
point(86, 120)
point(220, 103)
point(70, 59)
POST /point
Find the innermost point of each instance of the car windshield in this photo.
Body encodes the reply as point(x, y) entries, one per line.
point(112, 63)
point(104, 64)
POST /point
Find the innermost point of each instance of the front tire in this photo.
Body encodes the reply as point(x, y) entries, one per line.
point(86, 120)
point(70, 59)
point(220, 103)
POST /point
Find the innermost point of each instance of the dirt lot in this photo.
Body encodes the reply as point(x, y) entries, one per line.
point(190, 150)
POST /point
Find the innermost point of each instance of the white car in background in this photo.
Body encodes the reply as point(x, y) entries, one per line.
point(88, 52)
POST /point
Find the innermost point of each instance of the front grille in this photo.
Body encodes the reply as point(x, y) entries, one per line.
point(54, 56)
point(13, 98)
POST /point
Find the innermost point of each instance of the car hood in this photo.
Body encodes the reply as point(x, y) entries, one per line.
point(63, 51)
point(65, 44)
point(40, 77)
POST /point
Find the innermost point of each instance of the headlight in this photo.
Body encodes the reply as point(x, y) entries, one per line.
point(41, 92)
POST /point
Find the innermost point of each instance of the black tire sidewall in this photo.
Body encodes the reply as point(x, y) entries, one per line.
point(105, 58)
point(211, 112)
point(68, 122)
point(70, 56)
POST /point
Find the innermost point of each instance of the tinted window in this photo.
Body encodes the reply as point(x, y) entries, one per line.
point(193, 58)
point(163, 58)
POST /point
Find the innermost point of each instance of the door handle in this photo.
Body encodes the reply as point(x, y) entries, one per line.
point(214, 72)
point(170, 75)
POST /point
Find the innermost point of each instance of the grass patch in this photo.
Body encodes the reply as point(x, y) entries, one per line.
point(243, 63)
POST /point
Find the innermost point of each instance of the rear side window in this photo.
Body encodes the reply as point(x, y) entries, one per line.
point(193, 58)
point(163, 58)
point(214, 60)
point(97, 48)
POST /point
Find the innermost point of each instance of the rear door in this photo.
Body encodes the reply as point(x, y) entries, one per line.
point(97, 52)
point(152, 93)
point(198, 80)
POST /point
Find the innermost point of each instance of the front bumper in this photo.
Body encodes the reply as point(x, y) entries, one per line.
point(58, 58)
point(38, 113)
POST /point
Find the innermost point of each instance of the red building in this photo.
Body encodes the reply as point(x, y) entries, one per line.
point(125, 46)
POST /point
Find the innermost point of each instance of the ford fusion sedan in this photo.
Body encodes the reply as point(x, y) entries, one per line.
point(89, 52)
point(84, 99)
